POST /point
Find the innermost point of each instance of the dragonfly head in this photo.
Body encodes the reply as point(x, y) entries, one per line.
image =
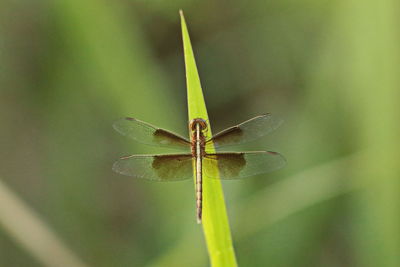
point(201, 122)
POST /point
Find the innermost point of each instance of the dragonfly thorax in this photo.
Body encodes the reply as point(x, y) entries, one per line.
point(202, 123)
point(197, 128)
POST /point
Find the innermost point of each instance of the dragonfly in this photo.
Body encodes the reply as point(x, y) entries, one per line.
point(200, 155)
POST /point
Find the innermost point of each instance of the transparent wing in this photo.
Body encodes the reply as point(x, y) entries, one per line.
point(236, 165)
point(163, 168)
point(246, 131)
point(145, 133)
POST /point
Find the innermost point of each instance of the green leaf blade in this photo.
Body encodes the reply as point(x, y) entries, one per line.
point(215, 220)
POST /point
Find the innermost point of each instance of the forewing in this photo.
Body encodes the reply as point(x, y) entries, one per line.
point(163, 168)
point(246, 131)
point(145, 133)
point(236, 165)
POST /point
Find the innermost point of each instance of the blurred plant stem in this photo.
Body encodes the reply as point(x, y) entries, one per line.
point(31, 233)
point(215, 220)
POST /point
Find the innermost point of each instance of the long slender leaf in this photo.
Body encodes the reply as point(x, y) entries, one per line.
point(215, 220)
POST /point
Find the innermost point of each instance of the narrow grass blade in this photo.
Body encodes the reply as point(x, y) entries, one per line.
point(31, 233)
point(215, 220)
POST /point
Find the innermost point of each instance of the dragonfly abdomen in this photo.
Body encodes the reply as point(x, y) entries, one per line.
point(198, 143)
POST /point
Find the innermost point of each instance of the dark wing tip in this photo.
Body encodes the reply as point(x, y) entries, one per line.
point(262, 115)
point(273, 153)
point(116, 125)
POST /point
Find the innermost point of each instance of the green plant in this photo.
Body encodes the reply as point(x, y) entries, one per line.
point(215, 220)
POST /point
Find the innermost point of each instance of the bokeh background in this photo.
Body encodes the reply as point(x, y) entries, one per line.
point(330, 69)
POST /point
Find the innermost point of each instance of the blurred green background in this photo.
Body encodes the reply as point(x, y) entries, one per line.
point(330, 69)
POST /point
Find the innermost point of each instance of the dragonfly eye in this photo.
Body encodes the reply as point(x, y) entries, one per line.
point(200, 121)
